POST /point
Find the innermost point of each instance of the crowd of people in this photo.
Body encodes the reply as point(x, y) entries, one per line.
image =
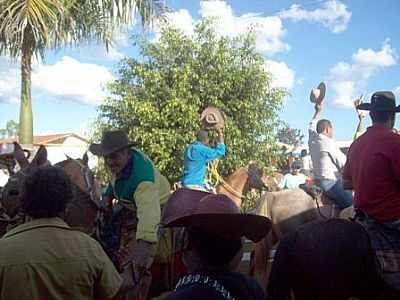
point(45, 259)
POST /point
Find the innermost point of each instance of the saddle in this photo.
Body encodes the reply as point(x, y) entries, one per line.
point(325, 205)
point(385, 241)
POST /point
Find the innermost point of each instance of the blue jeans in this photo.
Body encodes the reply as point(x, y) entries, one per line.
point(341, 197)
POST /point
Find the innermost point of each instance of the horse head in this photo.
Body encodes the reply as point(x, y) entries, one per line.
point(10, 199)
point(83, 211)
point(255, 177)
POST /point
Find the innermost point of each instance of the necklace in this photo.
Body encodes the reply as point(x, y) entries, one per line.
point(204, 279)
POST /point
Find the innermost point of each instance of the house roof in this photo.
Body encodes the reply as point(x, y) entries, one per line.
point(47, 139)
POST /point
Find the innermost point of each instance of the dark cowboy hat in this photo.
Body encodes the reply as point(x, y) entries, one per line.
point(111, 141)
point(216, 214)
point(381, 101)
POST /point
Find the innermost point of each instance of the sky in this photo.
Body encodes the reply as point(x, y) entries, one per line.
point(351, 45)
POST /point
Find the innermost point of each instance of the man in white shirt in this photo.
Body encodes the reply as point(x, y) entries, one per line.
point(327, 159)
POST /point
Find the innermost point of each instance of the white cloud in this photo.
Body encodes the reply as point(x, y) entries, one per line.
point(66, 80)
point(349, 80)
point(282, 76)
point(182, 20)
point(334, 15)
point(73, 80)
point(9, 86)
point(269, 31)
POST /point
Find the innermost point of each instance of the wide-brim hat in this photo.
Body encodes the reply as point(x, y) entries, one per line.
point(212, 117)
point(111, 141)
point(382, 101)
point(213, 213)
point(317, 95)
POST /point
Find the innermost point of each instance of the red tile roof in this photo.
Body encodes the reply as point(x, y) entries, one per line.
point(46, 139)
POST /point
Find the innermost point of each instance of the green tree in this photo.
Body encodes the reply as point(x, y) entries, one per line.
point(11, 129)
point(29, 27)
point(159, 97)
point(289, 136)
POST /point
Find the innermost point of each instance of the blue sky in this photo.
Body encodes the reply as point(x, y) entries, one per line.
point(352, 45)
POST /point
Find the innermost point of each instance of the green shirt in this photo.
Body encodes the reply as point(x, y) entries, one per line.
point(142, 189)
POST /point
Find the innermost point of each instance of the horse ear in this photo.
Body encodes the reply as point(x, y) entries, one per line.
point(40, 157)
point(19, 156)
point(85, 159)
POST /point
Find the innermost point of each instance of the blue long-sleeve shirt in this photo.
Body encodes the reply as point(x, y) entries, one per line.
point(197, 156)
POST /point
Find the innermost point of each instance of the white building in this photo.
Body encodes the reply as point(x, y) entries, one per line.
point(58, 146)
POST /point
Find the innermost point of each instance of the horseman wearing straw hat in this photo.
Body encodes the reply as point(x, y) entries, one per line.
point(327, 159)
point(133, 199)
point(199, 153)
point(213, 245)
point(372, 170)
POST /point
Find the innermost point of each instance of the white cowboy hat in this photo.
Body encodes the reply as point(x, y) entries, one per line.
point(317, 95)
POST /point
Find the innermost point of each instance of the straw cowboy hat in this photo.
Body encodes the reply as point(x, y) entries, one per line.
point(317, 95)
point(212, 118)
point(381, 101)
point(111, 141)
point(214, 213)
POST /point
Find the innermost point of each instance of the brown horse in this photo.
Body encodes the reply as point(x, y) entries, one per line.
point(83, 210)
point(288, 210)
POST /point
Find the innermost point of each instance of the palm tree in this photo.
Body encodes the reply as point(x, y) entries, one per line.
point(29, 27)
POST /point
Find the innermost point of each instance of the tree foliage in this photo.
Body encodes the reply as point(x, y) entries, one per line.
point(159, 97)
point(11, 129)
point(289, 136)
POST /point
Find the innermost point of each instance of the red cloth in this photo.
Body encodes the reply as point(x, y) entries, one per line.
point(373, 169)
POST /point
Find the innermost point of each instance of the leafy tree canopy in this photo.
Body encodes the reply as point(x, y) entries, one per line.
point(159, 97)
point(289, 136)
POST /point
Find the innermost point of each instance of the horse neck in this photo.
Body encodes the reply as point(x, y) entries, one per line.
point(237, 181)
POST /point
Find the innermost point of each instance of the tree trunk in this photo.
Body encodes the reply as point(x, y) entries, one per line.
point(25, 113)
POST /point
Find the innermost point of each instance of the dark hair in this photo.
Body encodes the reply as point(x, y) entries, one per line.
point(46, 192)
point(303, 153)
point(381, 116)
point(323, 124)
point(213, 249)
point(202, 135)
point(345, 258)
point(297, 165)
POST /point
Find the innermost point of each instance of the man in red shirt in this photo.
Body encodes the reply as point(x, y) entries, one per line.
point(373, 162)
point(372, 170)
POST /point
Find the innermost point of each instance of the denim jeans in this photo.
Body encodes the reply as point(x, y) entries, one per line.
point(341, 197)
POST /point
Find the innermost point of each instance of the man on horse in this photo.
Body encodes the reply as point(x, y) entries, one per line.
point(134, 197)
point(327, 159)
point(213, 245)
point(197, 157)
point(373, 172)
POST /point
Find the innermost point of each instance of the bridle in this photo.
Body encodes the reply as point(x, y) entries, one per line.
point(91, 192)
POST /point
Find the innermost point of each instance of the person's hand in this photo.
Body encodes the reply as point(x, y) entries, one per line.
point(361, 113)
point(142, 253)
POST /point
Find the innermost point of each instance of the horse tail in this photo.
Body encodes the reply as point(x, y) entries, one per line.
point(280, 281)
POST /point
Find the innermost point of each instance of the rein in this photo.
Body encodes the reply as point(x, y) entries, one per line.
point(213, 170)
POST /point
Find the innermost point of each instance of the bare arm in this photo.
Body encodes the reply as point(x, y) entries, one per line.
point(361, 115)
point(318, 109)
